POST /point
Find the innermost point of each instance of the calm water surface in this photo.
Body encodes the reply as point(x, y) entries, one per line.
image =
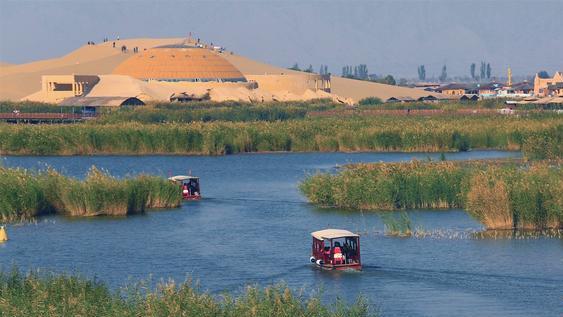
point(253, 228)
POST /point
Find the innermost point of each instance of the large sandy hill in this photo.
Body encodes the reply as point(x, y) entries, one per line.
point(19, 81)
point(344, 87)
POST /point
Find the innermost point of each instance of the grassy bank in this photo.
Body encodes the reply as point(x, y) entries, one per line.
point(501, 196)
point(385, 133)
point(52, 295)
point(25, 194)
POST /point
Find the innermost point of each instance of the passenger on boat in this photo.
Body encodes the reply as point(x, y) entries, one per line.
point(193, 188)
point(327, 254)
point(346, 250)
point(338, 257)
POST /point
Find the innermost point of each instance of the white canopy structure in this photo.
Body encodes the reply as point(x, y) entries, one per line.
point(178, 178)
point(332, 234)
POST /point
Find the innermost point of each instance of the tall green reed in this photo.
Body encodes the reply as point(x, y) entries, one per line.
point(25, 194)
point(70, 295)
point(383, 133)
point(501, 195)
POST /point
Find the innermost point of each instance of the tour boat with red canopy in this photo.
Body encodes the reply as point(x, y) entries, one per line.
point(336, 249)
point(189, 186)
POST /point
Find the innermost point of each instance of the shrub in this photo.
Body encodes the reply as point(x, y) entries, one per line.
point(370, 101)
point(488, 201)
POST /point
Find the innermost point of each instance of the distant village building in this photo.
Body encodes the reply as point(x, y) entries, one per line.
point(544, 87)
point(519, 90)
point(457, 89)
point(469, 97)
point(555, 89)
point(489, 90)
point(427, 86)
point(471, 92)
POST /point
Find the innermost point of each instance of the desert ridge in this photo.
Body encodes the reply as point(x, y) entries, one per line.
point(194, 75)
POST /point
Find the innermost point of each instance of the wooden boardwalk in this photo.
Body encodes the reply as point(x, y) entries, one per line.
point(43, 117)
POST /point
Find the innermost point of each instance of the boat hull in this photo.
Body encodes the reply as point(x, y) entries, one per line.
point(340, 267)
point(192, 197)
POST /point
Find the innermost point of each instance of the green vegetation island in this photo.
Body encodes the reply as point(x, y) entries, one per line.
point(42, 295)
point(500, 194)
point(25, 194)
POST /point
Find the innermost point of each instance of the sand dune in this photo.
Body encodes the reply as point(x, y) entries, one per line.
point(344, 87)
point(251, 67)
point(358, 89)
point(18, 85)
point(19, 81)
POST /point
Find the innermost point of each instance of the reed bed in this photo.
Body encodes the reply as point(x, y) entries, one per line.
point(501, 196)
point(25, 194)
point(385, 133)
point(63, 295)
point(217, 111)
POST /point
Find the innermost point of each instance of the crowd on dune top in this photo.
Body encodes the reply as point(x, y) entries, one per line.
point(123, 47)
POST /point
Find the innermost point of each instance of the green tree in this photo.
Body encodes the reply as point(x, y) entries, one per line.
point(370, 101)
point(388, 80)
point(483, 70)
point(362, 71)
point(295, 67)
point(472, 70)
point(543, 74)
point(347, 72)
point(444, 74)
point(421, 72)
point(489, 71)
point(309, 69)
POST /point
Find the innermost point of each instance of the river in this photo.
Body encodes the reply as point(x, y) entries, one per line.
point(253, 227)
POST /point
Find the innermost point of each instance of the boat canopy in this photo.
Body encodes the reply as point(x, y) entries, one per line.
point(178, 178)
point(332, 234)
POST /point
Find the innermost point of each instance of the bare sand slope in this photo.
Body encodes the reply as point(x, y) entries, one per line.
point(120, 85)
point(359, 89)
point(248, 66)
point(4, 66)
point(18, 81)
point(18, 85)
point(344, 87)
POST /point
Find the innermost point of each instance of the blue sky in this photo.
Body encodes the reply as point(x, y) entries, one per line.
point(389, 36)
